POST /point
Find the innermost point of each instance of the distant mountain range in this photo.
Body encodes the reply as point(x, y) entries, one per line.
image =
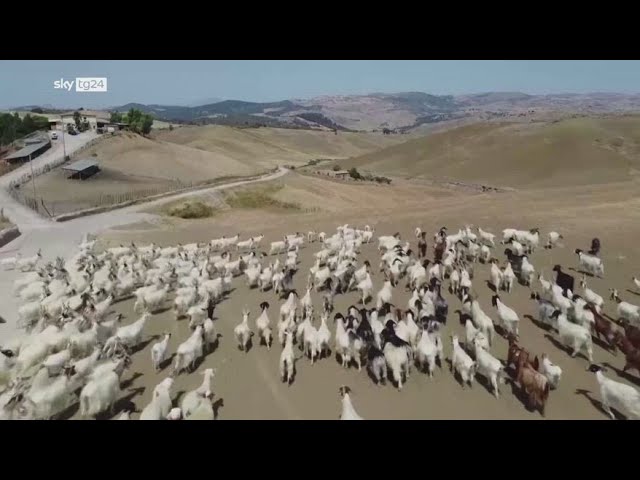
point(394, 111)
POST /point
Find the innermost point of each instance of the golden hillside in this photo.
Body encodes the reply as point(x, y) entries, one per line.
point(278, 144)
point(578, 151)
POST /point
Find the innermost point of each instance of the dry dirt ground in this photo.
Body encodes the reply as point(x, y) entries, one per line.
point(134, 167)
point(247, 385)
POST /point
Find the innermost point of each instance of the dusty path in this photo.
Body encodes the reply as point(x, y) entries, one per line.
point(23, 216)
point(60, 239)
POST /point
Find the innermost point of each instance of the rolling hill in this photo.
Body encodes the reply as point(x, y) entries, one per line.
point(277, 145)
point(578, 151)
point(403, 111)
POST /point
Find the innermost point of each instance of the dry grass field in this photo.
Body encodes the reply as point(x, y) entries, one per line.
point(578, 151)
point(133, 166)
point(576, 177)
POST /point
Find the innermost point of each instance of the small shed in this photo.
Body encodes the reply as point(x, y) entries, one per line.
point(32, 150)
point(82, 169)
point(340, 174)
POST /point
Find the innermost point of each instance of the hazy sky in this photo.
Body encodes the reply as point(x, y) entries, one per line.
point(189, 81)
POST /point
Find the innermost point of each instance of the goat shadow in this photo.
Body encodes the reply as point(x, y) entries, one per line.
point(142, 345)
point(373, 378)
point(622, 374)
point(565, 348)
point(486, 383)
point(124, 299)
point(162, 310)
point(217, 405)
point(583, 272)
point(249, 346)
point(538, 323)
point(491, 286)
point(604, 345)
point(129, 381)
point(628, 290)
point(124, 403)
point(197, 363)
point(598, 404)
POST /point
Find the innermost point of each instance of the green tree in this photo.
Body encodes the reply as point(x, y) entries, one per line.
point(76, 119)
point(355, 174)
point(28, 125)
point(139, 122)
point(40, 122)
point(116, 117)
point(147, 122)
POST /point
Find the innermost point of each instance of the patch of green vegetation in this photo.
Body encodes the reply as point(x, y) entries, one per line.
point(191, 209)
point(4, 221)
point(259, 198)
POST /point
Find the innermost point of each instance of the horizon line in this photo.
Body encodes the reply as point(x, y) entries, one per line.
point(293, 99)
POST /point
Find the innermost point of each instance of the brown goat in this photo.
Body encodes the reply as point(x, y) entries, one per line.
point(631, 354)
point(632, 332)
point(515, 352)
point(603, 327)
point(533, 383)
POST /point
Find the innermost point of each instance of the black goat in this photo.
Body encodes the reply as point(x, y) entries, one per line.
point(563, 280)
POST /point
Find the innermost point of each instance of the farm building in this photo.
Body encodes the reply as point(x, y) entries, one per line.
point(106, 126)
point(61, 121)
point(342, 174)
point(29, 151)
point(82, 169)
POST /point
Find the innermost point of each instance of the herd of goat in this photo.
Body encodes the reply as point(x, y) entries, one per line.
point(75, 349)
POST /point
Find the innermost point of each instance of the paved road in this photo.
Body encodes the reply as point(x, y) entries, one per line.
point(23, 216)
point(60, 239)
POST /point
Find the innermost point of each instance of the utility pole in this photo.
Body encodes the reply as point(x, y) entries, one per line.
point(64, 148)
point(33, 181)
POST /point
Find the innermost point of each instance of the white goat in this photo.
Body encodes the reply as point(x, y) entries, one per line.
point(428, 349)
point(190, 350)
point(626, 310)
point(462, 363)
point(287, 359)
point(348, 412)
point(161, 402)
point(243, 332)
point(488, 366)
point(159, 351)
point(574, 336)
point(192, 399)
point(527, 271)
point(509, 319)
point(590, 263)
point(263, 325)
point(591, 296)
point(550, 370)
point(620, 396)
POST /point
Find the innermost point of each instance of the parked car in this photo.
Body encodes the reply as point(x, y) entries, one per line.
point(54, 136)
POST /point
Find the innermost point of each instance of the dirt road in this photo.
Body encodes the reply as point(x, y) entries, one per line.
point(60, 239)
